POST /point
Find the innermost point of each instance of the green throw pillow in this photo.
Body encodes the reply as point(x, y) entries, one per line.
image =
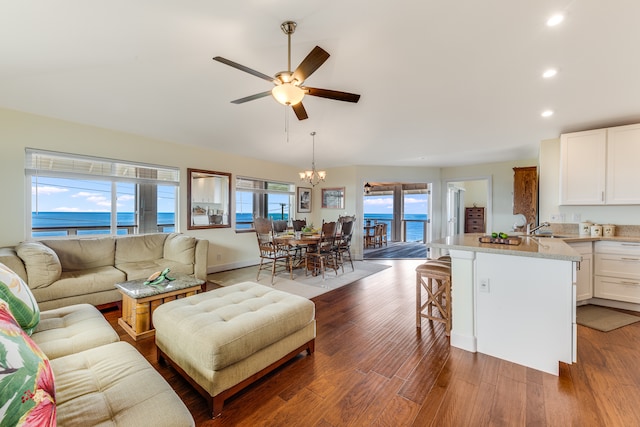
point(27, 390)
point(21, 301)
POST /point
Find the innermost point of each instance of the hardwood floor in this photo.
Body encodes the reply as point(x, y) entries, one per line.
point(372, 367)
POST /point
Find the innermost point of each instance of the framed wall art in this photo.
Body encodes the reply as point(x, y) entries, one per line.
point(303, 197)
point(333, 198)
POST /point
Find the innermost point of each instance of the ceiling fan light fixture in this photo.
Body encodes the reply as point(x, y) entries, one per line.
point(287, 94)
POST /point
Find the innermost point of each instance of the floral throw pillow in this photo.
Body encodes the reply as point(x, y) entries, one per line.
point(17, 294)
point(26, 378)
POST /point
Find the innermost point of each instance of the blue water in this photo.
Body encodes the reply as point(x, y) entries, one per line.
point(103, 219)
point(63, 220)
point(414, 229)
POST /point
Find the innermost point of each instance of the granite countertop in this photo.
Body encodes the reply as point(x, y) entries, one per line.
point(533, 247)
point(571, 238)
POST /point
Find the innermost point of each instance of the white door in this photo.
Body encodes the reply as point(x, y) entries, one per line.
point(455, 210)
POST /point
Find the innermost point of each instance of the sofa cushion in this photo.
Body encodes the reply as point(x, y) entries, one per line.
point(73, 283)
point(43, 264)
point(21, 301)
point(80, 254)
point(26, 379)
point(115, 385)
point(180, 248)
point(142, 247)
point(72, 329)
point(144, 269)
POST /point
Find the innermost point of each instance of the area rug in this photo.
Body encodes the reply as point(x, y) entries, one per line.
point(603, 319)
point(306, 286)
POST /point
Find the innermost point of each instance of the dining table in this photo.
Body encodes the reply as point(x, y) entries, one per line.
point(303, 240)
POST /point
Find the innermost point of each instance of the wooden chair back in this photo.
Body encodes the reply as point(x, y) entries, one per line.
point(279, 226)
point(299, 224)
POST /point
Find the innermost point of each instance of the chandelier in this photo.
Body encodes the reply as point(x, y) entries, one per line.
point(313, 176)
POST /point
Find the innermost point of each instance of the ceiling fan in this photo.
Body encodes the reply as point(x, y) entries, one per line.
point(289, 89)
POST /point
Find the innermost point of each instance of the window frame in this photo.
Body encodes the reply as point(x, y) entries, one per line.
point(70, 166)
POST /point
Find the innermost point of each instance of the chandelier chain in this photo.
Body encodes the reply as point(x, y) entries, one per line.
point(313, 176)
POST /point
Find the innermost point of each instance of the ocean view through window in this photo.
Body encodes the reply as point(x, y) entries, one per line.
point(79, 195)
point(406, 218)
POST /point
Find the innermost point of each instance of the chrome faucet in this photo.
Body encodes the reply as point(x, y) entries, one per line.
point(534, 229)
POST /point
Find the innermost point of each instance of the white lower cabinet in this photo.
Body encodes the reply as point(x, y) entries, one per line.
point(584, 275)
point(617, 271)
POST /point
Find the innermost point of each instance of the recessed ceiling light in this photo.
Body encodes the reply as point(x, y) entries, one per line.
point(547, 113)
point(555, 20)
point(549, 73)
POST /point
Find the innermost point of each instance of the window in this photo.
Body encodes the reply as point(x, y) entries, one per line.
point(80, 195)
point(259, 198)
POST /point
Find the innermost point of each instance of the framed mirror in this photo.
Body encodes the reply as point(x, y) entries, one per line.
point(208, 199)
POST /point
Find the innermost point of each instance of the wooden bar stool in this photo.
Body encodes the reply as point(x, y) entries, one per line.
point(435, 277)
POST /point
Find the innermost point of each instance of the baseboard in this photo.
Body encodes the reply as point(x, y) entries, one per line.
point(465, 342)
point(231, 266)
point(614, 304)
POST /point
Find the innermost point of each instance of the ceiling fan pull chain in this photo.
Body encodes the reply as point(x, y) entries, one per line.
point(286, 122)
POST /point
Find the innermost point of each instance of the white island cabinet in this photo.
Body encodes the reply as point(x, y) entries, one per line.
point(515, 303)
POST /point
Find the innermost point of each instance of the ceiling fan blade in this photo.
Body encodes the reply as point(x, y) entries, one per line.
point(252, 97)
point(301, 113)
point(332, 94)
point(311, 63)
point(243, 68)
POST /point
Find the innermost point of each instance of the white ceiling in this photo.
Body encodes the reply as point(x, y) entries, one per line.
point(442, 82)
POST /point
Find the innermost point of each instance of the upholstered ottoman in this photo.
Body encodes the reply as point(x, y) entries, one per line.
point(225, 339)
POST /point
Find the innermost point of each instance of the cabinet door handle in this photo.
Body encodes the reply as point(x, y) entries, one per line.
point(630, 259)
point(629, 283)
point(630, 244)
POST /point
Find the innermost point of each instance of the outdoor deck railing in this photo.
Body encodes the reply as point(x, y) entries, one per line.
point(88, 229)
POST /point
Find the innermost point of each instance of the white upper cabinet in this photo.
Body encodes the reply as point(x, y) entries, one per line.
point(600, 166)
point(623, 161)
point(582, 167)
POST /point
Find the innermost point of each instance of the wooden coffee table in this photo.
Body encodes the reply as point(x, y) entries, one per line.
point(140, 300)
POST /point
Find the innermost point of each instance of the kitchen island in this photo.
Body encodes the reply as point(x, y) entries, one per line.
point(514, 302)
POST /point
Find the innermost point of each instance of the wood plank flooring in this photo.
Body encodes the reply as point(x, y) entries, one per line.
point(372, 367)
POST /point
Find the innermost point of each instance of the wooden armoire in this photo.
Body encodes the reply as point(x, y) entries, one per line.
point(525, 192)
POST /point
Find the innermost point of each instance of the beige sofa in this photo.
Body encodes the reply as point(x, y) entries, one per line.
point(63, 272)
point(97, 379)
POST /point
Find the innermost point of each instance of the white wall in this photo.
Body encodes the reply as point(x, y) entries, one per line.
point(549, 195)
point(20, 130)
point(502, 187)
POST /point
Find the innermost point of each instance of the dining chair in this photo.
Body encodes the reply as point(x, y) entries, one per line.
point(377, 234)
point(369, 236)
point(343, 219)
point(279, 226)
point(323, 255)
point(343, 244)
point(383, 237)
point(273, 256)
point(299, 224)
